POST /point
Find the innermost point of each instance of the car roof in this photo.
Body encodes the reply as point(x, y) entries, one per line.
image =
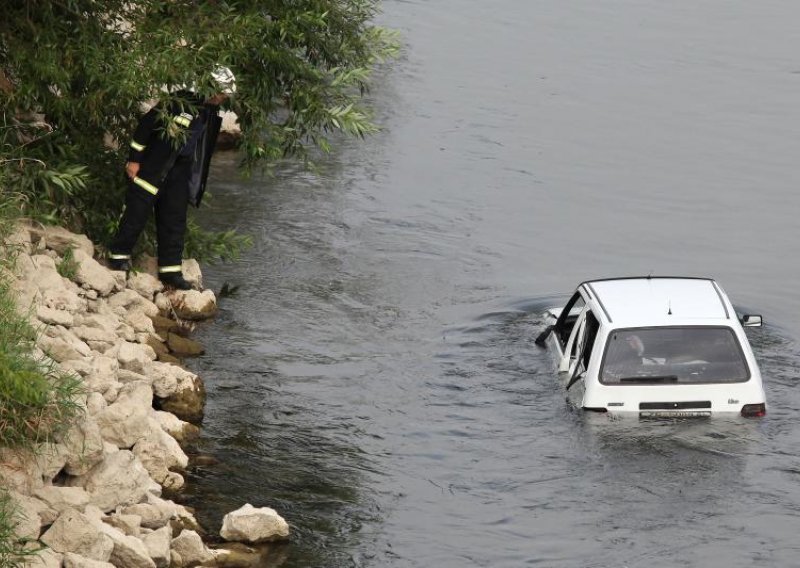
point(652, 301)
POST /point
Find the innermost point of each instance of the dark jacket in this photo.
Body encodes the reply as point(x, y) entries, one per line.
point(160, 135)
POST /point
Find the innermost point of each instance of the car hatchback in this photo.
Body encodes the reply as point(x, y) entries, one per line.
point(656, 346)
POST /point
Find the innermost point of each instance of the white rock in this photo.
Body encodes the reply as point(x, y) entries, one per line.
point(146, 285)
point(167, 378)
point(140, 322)
point(51, 459)
point(80, 367)
point(95, 404)
point(84, 445)
point(28, 515)
point(159, 452)
point(119, 480)
point(103, 374)
point(191, 272)
point(128, 551)
point(64, 298)
point(126, 421)
point(190, 549)
point(125, 376)
point(19, 471)
point(135, 356)
point(131, 525)
point(76, 561)
point(193, 305)
point(42, 273)
point(61, 499)
point(252, 525)
point(45, 558)
point(92, 274)
point(154, 514)
point(60, 239)
point(74, 532)
point(164, 304)
point(158, 545)
point(65, 347)
point(19, 240)
point(130, 299)
point(106, 322)
point(174, 426)
point(53, 316)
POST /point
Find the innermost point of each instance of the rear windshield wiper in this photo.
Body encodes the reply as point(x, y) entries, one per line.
point(651, 379)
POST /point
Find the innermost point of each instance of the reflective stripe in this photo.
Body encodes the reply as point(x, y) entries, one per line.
point(136, 146)
point(173, 268)
point(119, 256)
point(184, 119)
point(147, 186)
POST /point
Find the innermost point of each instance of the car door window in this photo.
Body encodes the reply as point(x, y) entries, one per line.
point(566, 321)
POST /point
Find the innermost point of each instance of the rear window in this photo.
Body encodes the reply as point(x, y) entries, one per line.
point(673, 355)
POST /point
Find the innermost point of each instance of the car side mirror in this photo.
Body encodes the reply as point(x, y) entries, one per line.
point(750, 320)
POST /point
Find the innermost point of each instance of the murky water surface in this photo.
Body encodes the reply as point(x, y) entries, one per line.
point(375, 378)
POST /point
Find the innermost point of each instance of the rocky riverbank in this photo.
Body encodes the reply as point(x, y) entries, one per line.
point(95, 498)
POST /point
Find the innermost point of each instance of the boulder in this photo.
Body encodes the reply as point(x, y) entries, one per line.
point(193, 305)
point(64, 347)
point(61, 240)
point(74, 532)
point(188, 550)
point(19, 471)
point(129, 299)
point(84, 445)
point(155, 513)
point(61, 499)
point(51, 459)
point(28, 515)
point(135, 356)
point(183, 346)
point(44, 558)
point(252, 525)
point(52, 316)
point(103, 374)
point(159, 452)
point(188, 400)
point(76, 561)
point(128, 551)
point(19, 241)
point(139, 321)
point(146, 285)
point(131, 525)
point(158, 545)
point(125, 376)
point(126, 421)
point(175, 427)
point(191, 273)
point(92, 274)
point(119, 480)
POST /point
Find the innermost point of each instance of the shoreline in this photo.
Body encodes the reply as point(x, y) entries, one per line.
point(96, 496)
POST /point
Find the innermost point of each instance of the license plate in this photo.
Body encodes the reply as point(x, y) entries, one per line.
point(674, 413)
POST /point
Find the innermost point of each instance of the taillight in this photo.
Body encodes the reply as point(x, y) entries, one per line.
point(754, 410)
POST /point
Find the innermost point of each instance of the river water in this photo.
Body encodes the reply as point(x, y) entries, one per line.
point(374, 378)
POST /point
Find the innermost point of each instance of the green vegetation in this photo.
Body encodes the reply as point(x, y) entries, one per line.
point(36, 401)
point(68, 266)
point(74, 74)
point(12, 552)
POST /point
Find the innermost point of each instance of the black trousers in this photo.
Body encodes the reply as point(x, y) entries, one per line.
point(170, 204)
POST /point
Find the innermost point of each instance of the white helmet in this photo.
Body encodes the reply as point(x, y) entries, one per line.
point(225, 79)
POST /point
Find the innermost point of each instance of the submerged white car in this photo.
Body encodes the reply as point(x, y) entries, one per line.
point(655, 346)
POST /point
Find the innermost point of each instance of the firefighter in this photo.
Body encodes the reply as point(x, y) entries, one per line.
point(167, 169)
